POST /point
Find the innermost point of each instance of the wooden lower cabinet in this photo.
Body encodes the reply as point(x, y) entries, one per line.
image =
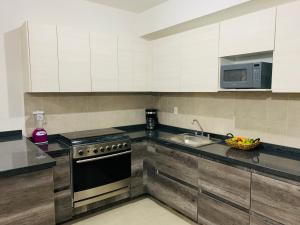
point(138, 154)
point(276, 199)
point(230, 183)
point(174, 194)
point(61, 172)
point(63, 206)
point(27, 199)
point(62, 188)
point(175, 163)
point(256, 219)
point(214, 212)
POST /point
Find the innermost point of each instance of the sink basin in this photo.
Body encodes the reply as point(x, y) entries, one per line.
point(189, 140)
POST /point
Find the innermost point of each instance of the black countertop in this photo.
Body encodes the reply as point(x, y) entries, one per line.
point(19, 155)
point(54, 148)
point(272, 159)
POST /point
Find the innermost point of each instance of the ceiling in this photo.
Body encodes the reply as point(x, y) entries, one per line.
point(136, 6)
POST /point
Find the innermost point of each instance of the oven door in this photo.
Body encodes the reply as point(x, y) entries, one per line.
point(237, 76)
point(101, 177)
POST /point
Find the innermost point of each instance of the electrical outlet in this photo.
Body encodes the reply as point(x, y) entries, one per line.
point(175, 110)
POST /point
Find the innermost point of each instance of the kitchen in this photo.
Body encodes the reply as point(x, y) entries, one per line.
point(93, 67)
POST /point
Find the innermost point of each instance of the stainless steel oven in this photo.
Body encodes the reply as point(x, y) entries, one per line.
point(101, 165)
point(100, 171)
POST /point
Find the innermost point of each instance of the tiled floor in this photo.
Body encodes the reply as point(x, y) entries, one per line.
point(143, 211)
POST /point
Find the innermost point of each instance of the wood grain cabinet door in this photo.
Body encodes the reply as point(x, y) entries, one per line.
point(214, 212)
point(61, 172)
point(138, 155)
point(276, 199)
point(177, 164)
point(27, 199)
point(174, 194)
point(228, 182)
point(63, 206)
point(256, 219)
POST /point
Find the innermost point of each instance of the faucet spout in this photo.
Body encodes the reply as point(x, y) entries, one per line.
point(199, 126)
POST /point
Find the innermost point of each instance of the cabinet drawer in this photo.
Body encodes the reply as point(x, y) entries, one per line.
point(63, 206)
point(276, 199)
point(177, 164)
point(174, 194)
point(61, 172)
point(256, 219)
point(230, 183)
point(214, 212)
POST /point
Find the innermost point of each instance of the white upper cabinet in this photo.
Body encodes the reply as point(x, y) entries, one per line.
point(133, 64)
point(41, 62)
point(166, 64)
point(74, 60)
point(286, 61)
point(125, 64)
point(104, 62)
point(246, 34)
point(199, 59)
point(141, 65)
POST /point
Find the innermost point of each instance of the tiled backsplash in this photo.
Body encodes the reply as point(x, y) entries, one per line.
point(275, 118)
point(73, 112)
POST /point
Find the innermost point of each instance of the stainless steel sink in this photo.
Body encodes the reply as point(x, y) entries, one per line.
point(189, 140)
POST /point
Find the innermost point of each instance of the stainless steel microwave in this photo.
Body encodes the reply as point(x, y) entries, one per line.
point(247, 76)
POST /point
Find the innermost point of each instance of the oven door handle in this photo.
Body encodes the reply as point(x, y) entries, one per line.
point(102, 157)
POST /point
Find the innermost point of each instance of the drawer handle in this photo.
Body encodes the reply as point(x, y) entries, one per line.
point(103, 157)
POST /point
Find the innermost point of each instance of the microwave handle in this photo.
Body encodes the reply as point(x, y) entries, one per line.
point(102, 157)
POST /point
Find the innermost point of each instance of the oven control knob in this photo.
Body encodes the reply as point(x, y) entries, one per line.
point(119, 146)
point(114, 147)
point(95, 150)
point(80, 152)
point(107, 148)
point(101, 149)
point(125, 145)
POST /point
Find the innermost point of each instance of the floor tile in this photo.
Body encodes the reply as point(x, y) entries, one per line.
point(143, 211)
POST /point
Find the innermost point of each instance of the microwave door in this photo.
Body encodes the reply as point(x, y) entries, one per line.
point(237, 76)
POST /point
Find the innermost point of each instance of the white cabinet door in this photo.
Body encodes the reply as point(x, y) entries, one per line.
point(166, 64)
point(125, 64)
point(74, 60)
point(141, 65)
point(43, 61)
point(286, 61)
point(250, 33)
point(134, 64)
point(200, 48)
point(104, 64)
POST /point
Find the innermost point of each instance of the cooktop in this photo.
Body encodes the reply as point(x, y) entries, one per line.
point(91, 136)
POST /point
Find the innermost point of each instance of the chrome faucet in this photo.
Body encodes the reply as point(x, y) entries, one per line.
point(199, 125)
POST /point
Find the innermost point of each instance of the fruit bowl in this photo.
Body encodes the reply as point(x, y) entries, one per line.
point(242, 143)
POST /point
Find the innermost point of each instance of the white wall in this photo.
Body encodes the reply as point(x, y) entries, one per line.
point(173, 12)
point(72, 13)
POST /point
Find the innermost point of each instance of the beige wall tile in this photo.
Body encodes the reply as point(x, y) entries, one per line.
point(275, 118)
point(83, 111)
